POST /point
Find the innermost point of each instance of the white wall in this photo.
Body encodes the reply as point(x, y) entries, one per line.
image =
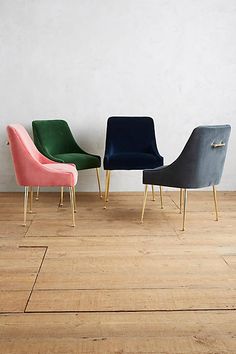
point(85, 60)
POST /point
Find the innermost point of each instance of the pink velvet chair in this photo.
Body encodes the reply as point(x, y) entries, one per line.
point(34, 169)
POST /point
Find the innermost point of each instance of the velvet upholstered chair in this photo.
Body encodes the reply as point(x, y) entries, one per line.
point(199, 165)
point(130, 145)
point(34, 169)
point(54, 140)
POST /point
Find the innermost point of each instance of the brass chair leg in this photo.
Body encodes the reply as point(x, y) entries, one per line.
point(72, 205)
point(99, 182)
point(108, 174)
point(37, 194)
point(161, 198)
point(61, 197)
point(31, 200)
point(75, 204)
point(25, 204)
point(105, 190)
point(153, 193)
point(108, 185)
point(180, 200)
point(144, 202)
point(185, 207)
point(215, 202)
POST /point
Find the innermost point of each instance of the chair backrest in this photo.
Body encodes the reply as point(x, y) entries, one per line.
point(24, 152)
point(130, 134)
point(202, 160)
point(53, 137)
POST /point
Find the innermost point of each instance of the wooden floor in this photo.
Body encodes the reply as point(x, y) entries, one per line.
point(112, 285)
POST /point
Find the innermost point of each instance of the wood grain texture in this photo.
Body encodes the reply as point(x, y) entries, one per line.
point(13, 300)
point(130, 299)
point(111, 285)
point(158, 332)
point(19, 267)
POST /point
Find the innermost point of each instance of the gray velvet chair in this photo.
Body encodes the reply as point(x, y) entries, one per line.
point(199, 165)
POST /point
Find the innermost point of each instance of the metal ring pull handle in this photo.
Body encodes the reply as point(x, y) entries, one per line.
point(218, 145)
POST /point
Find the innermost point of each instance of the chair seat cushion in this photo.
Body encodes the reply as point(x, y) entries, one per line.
point(132, 161)
point(82, 161)
point(68, 174)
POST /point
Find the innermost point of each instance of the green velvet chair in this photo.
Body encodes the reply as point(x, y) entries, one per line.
point(54, 140)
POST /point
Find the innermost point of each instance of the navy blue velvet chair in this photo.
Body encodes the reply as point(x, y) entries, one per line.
point(199, 165)
point(130, 145)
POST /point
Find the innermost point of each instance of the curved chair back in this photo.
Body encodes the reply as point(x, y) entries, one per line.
point(24, 152)
point(53, 137)
point(130, 134)
point(202, 160)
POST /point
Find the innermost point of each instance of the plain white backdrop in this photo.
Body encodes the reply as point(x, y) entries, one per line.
point(85, 60)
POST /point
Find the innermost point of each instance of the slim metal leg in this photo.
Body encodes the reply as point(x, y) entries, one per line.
point(185, 208)
point(108, 174)
point(144, 202)
point(74, 195)
point(31, 199)
point(180, 200)
point(72, 205)
point(99, 182)
point(108, 185)
point(106, 182)
point(61, 197)
point(25, 204)
point(215, 202)
point(153, 193)
point(37, 194)
point(161, 199)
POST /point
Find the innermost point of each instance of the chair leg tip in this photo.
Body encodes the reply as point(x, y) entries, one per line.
point(37, 198)
point(104, 207)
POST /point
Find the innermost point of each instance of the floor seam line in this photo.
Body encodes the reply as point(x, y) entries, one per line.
point(44, 255)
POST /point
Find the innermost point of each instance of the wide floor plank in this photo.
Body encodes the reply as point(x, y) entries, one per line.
point(158, 332)
point(131, 300)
